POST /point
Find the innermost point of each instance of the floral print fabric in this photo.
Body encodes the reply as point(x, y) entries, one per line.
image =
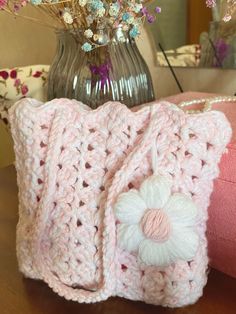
point(21, 82)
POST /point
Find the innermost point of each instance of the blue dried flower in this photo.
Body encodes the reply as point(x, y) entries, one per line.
point(114, 9)
point(126, 17)
point(36, 2)
point(134, 32)
point(86, 47)
point(95, 5)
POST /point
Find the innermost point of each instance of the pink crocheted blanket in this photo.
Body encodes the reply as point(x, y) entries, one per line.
point(114, 201)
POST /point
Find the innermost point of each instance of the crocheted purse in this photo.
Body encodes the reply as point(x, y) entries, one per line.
point(113, 201)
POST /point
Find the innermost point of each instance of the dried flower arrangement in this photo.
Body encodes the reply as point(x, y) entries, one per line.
point(231, 8)
point(90, 16)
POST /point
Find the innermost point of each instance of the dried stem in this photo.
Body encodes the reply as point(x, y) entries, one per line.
point(31, 19)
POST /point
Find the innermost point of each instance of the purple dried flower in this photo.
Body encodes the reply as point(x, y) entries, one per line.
point(144, 11)
point(222, 49)
point(102, 71)
point(150, 18)
point(158, 10)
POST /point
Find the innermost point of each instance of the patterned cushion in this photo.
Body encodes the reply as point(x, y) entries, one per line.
point(15, 84)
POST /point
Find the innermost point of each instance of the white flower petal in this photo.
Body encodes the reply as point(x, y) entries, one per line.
point(130, 207)
point(155, 254)
point(129, 237)
point(155, 191)
point(183, 243)
point(181, 209)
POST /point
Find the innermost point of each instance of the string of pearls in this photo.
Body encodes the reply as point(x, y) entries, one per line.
point(208, 103)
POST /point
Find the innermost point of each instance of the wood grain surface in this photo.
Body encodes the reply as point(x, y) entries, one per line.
point(25, 296)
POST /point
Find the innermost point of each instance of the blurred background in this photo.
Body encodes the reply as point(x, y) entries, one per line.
point(23, 42)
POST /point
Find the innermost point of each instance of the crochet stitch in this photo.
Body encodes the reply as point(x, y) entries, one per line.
point(73, 163)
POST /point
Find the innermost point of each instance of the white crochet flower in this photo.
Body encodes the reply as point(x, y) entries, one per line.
point(157, 225)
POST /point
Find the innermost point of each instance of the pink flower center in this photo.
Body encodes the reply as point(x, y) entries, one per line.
point(155, 225)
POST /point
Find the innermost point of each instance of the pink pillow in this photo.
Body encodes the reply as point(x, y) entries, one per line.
point(222, 211)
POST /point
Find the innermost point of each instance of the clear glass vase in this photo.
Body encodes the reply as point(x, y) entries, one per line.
point(218, 47)
point(115, 71)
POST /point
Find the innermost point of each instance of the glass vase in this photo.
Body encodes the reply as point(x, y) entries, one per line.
point(114, 71)
point(218, 47)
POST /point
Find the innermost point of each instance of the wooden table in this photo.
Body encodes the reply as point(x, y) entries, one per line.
point(24, 296)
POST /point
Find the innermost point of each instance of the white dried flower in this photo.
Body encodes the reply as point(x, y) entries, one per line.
point(137, 7)
point(67, 17)
point(122, 39)
point(130, 20)
point(88, 33)
point(82, 3)
point(100, 12)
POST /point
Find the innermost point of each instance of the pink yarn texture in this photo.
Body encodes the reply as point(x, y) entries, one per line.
point(155, 225)
point(73, 162)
